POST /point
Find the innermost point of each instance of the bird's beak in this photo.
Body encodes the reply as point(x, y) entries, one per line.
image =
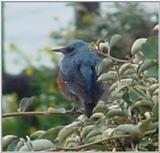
point(61, 50)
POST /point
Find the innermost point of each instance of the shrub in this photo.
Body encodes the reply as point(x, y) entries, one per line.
point(127, 121)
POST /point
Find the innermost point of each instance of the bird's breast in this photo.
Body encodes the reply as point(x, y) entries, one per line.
point(69, 69)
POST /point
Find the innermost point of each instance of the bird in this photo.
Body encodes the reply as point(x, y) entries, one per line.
point(77, 75)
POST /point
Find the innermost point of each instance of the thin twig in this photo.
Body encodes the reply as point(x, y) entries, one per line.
point(115, 59)
point(97, 142)
point(89, 144)
point(18, 114)
point(118, 75)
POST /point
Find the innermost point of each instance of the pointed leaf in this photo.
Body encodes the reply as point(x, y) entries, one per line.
point(129, 128)
point(51, 134)
point(107, 76)
point(150, 48)
point(56, 110)
point(115, 38)
point(146, 125)
point(25, 103)
point(38, 145)
point(115, 112)
point(37, 134)
point(137, 45)
point(146, 65)
point(104, 65)
point(12, 145)
point(97, 116)
point(6, 140)
point(86, 130)
point(65, 132)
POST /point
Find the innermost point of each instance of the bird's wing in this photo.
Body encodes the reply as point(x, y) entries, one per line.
point(87, 74)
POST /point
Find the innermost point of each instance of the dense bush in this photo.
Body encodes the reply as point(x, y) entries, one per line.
point(130, 20)
point(127, 121)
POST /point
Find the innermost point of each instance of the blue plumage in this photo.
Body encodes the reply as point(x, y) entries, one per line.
point(77, 69)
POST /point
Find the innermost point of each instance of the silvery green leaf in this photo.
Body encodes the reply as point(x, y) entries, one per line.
point(38, 145)
point(37, 134)
point(25, 103)
point(115, 39)
point(6, 140)
point(137, 45)
point(129, 128)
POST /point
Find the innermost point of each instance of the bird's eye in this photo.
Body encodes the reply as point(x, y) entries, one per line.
point(70, 49)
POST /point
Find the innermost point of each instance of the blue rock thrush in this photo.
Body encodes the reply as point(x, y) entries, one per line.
point(78, 75)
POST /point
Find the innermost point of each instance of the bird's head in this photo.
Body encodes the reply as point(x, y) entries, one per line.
point(73, 46)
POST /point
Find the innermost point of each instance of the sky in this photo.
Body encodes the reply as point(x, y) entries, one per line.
point(28, 25)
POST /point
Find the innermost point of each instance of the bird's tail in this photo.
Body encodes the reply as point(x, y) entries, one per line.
point(88, 108)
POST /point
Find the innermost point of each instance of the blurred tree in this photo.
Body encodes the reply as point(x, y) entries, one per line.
point(84, 12)
point(130, 20)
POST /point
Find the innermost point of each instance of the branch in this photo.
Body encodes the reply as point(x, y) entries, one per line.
point(115, 59)
point(89, 144)
point(18, 114)
point(96, 142)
